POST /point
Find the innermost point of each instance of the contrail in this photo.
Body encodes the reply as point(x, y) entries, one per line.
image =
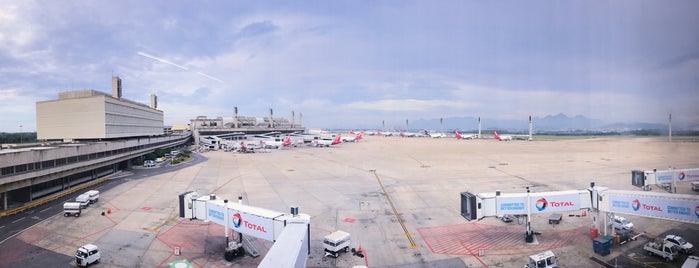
point(143, 54)
point(210, 77)
point(161, 60)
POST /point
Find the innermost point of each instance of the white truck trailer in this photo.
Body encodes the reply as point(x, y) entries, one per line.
point(336, 242)
point(72, 208)
point(94, 196)
point(662, 249)
point(84, 200)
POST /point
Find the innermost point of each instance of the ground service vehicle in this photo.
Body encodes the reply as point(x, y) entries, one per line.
point(94, 196)
point(71, 208)
point(544, 259)
point(662, 249)
point(679, 242)
point(84, 200)
point(87, 254)
point(691, 262)
point(336, 242)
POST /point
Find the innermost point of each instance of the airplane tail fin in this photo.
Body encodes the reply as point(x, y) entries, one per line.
point(497, 137)
point(458, 136)
point(287, 141)
point(337, 140)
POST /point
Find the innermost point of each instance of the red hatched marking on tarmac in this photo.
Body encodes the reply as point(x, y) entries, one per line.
point(467, 239)
point(349, 220)
point(146, 208)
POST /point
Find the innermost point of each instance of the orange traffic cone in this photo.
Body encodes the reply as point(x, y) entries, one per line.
point(359, 250)
point(584, 213)
point(109, 211)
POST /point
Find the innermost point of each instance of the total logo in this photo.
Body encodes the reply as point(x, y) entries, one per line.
point(237, 219)
point(238, 222)
point(681, 176)
point(636, 205)
point(541, 204)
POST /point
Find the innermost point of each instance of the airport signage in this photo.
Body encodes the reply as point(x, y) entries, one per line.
point(243, 222)
point(538, 203)
point(252, 225)
point(665, 176)
point(555, 203)
point(511, 205)
point(680, 210)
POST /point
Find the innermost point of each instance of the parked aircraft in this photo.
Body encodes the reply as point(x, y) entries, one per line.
point(509, 137)
point(468, 136)
point(327, 143)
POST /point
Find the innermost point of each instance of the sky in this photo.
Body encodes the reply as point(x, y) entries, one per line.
point(354, 64)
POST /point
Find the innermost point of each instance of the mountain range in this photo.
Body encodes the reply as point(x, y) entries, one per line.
point(559, 122)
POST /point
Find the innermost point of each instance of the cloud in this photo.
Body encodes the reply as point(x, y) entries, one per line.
point(404, 105)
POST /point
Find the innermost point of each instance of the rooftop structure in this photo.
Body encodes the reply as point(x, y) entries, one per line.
point(89, 114)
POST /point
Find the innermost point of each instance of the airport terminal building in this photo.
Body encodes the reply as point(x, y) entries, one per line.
point(90, 114)
point(85, 135)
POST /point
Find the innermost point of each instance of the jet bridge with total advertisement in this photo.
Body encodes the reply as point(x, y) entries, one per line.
point(677, 207)
point(290, 232)
point(663, 178)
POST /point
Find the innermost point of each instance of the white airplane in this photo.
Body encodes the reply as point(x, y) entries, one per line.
point(327, 143)
point(509, 137)
point(275, 142)
point(469, 136)
point(413, 134)
point(438, 135)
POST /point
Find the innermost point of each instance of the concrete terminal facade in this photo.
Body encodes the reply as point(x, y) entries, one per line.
point(100, 134)
point(91, 114)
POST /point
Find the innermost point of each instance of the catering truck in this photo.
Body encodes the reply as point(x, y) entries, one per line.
point(72, 208)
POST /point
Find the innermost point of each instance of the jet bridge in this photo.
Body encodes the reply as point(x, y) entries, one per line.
point(676, 207)
point(290, 232)
point(664, 178)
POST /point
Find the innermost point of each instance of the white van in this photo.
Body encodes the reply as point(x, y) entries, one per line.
point(84, 200)
point(87, 254)
point(336, 242)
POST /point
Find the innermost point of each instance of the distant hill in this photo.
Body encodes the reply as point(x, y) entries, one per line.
point(559, 122)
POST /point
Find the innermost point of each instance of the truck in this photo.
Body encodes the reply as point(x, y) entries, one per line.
point(336, 242)
point(663, 249)
point(84, 200)
point(544, 259)
point(94, 196)
point(87, 254)
point(71, 208)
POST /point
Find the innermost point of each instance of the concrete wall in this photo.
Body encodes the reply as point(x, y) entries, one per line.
point(79, 118)
point(89, 114)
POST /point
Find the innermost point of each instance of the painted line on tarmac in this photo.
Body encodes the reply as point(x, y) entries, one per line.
point(22, 218)
point(2, 226)
point(42, 211)
point(395, 212)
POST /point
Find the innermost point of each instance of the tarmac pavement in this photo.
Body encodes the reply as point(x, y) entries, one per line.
point(340, 187)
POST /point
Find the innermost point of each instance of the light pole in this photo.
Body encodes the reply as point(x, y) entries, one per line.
point(20, 133)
